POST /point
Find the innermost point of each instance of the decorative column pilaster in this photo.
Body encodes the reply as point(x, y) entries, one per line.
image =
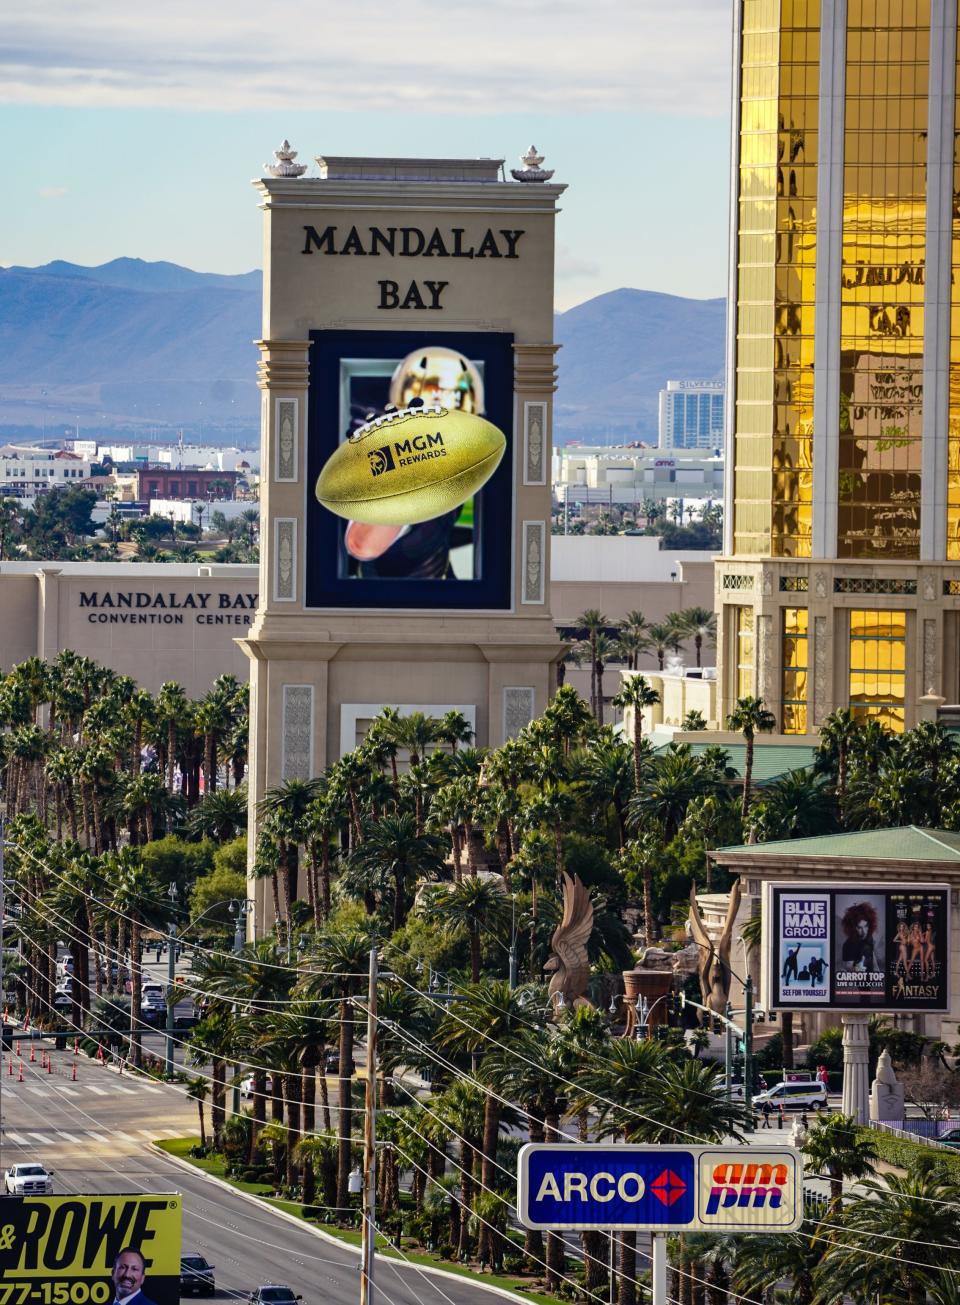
point(534, 383)
point(856, 1067)
point(283, 376)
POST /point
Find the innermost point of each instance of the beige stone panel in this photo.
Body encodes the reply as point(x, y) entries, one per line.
point(19, 612)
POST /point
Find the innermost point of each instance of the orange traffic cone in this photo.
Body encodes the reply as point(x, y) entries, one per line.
point(74, 1077)
point(121, 1064)
point(49, 1065)
point(76, 1046)
point(9, 1065)
point(20, 1075)
point(18, 1046)
point(33, 1053)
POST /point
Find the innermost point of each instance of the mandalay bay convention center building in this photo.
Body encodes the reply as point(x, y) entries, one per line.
point(839, 583)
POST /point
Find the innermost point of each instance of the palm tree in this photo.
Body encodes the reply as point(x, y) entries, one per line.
point(395, 849)
point(663, 638)
point(603, 649)
point(606, 777)
point(473, 905)
point(489, 1014)
point(749, 716)
point(796, 805)
point(455, 729)
point(285, 807)
point(837, 733)
point(836, 1149)
point(636, 693)
point(415, 733)
point(641, 1094)
point(592, 623)
point(342, 957)
point(633, 644)
point(700, 624)
point(197, 1090)
point(790, 1258)
point(135, 898)
point(913, 1218)
point(221, 815)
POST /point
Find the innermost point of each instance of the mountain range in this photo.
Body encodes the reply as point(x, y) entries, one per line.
point(137, 346)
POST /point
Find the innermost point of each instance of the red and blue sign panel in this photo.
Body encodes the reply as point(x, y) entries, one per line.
point(658, 1188)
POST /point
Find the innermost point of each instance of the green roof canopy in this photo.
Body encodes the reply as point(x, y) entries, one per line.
point(908, 843)
point(771, 761)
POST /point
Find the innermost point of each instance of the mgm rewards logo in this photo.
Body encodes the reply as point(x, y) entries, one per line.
point(403, 453)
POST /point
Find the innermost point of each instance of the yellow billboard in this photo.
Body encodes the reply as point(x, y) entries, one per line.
point(90, 1250)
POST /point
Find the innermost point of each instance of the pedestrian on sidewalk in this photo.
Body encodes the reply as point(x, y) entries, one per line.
point(765, 1111)
point(781, 1116)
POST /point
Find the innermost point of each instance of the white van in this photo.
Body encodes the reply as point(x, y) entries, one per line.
point(794, 1096)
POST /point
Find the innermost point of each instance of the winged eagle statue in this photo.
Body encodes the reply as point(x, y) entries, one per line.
point(569, 964)
point(713, 959)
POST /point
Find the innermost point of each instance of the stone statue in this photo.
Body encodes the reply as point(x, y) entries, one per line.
point(714, 958)
point(886, 1094)
point(569, 963)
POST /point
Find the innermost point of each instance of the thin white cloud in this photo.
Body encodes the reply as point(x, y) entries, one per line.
point(433, 56)
point(569, 265)
point(52, 192)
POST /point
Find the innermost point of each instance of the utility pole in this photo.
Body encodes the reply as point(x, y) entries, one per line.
point(2, 1021)
point(728, 1050)
point(171, 984)
point(368, 1234)
point(238, 932)
point(748, 1052)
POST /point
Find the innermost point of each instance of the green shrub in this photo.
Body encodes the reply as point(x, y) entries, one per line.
point(906, 1154)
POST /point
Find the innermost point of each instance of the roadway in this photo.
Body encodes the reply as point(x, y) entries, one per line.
point(95, 1134)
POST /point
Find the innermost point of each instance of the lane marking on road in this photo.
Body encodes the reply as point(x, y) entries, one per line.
point(71, 1137)
point(148, 1133)
point(127, 1137)
point(97, 1137)
point(18, 1139)
point(101, 1092)
point(35, 1091)
point(39, 1137)
point(155, 1090)
point(68, 1091)
point(171, 1132)
point(127, 1092)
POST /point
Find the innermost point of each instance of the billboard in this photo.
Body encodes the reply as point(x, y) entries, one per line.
point(586, 1186)
point(857, 946)
point(399, 514)
point(90, 1250)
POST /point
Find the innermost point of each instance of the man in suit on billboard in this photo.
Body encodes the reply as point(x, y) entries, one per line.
point(129, 1268)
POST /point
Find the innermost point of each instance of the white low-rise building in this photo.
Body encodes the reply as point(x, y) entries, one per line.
point(25, 470)
point(583, 473)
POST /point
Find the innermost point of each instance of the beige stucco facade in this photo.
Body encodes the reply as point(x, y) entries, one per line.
point(152, 621)
point(319, 673)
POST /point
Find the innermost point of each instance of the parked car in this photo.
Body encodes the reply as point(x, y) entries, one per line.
point(64, 967)
point(64, 995)
point(196, 1276)
point(794, 1096)
point(950, 1138)
point(246, 1085)
point(28, 1180)
point(273, 1294)
point(153, 1003)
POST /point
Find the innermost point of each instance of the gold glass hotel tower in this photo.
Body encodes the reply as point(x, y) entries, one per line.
point(839, 583)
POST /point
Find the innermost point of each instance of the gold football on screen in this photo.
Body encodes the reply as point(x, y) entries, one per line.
point(410, 465)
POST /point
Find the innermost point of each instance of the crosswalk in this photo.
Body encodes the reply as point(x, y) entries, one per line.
point(57, 1136)
point(56, 1087)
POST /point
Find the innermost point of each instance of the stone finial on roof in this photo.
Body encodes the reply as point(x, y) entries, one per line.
point(531, 170)
point(284, 166)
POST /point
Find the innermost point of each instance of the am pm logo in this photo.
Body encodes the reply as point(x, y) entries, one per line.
point(746, 1187)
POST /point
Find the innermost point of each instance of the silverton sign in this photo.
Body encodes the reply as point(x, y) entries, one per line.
point(139, 607)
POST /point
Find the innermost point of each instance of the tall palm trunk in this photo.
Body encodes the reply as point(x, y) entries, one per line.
point(345, 1102)
point(488, 1171)
point(217, 1098)
point(136, 993)
point(294, 1108)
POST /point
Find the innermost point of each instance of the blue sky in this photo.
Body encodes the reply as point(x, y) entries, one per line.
point(133, 133)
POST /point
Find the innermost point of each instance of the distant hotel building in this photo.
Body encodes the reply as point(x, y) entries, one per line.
point(691, 415)
point(26, 471)
point(840, 580)
point(585, 473)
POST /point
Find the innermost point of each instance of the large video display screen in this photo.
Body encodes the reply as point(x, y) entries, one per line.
point(410, 470)
point(857, 946)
